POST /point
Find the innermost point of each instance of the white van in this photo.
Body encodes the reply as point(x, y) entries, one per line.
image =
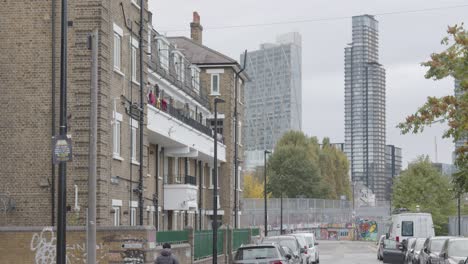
point(406, 225)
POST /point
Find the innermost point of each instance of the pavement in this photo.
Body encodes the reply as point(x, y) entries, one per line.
point(348, 252)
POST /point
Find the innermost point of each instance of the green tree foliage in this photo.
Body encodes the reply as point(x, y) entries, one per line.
point(253, 188)
point(421, 184)
point(301, 167)
point(452, 62)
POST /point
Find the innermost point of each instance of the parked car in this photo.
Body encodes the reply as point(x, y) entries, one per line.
point(410, 242)
point(454, 251)
point(288, 241)
point(291, 253)
point(416, 250)
point(380, 245)
point(431, 249)
point(268, 253)
point(311, 247)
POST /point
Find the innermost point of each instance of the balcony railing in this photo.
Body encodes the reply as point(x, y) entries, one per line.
point(180, 179)
point(187, 86)
point(190, 180)
point(182, 116)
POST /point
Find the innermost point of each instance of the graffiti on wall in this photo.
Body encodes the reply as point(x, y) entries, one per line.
point(43, 245)
point(367, 230)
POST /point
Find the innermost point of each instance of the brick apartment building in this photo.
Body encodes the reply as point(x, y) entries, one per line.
point(217, 78)
point(178, 144)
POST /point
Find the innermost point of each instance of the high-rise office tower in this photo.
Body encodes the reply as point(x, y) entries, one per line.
point(273, 96)
point(365, 107)
point(393, 162)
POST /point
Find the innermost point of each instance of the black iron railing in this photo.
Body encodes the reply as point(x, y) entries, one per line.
point(190, 180)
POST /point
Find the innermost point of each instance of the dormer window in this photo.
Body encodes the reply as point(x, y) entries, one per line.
point(178, 61)
point(163, 53)
point(195, 78)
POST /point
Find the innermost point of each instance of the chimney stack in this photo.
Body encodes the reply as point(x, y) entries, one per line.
point(196, 29)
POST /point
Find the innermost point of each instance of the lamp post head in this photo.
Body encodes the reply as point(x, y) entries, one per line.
point(218, 100)
point(267, 151)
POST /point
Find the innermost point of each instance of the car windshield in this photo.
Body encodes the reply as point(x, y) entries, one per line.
point(302, 241)
point(256, 253)
point(436, 245)
point(419, 244)
point(458, 248)
point(288, 242)
point(309, 240)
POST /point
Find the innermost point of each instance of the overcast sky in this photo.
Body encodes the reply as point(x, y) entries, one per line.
point(405, 41)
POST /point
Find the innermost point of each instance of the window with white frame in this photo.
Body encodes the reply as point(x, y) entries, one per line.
point(116, 215)
point(182, 69)
point(195, 78)
point(211, 177)
point(134, 64)
point(133, 216)
point(118, 34)
point(163, 53)
point(133, 154)
point(116, 134)
point(239, 133)
point(117, 51)
point(176, 62)
point(215, 84)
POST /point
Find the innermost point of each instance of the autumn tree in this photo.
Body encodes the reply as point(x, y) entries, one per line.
point(253, 188)
point(424, 186)
point(452, 62)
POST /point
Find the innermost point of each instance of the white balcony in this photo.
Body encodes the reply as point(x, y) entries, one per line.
point(181, 136)
point(180, 197)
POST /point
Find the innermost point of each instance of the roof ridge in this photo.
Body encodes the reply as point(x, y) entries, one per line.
point(206, 47)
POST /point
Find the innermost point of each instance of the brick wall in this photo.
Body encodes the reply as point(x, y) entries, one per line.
point(226, 176)
point(113, 245)
point(25, 80)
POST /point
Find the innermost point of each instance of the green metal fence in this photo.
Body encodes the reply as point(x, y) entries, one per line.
point(255, 231)
point(203, 240)
point(173, 237)
point(239, 237)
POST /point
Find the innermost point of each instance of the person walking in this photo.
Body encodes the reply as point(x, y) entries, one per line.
point(166, 256)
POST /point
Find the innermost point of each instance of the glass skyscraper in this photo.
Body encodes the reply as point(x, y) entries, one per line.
point(273, 95)
point(365, 107)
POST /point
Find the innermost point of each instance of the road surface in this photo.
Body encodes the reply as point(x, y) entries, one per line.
point(348, 252)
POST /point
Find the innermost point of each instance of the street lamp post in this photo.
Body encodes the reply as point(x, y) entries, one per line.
point(215, 182)
point(265, 190)
point(281, 213)
point(459, 214)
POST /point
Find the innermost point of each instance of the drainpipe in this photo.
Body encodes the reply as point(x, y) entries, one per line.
point(52, 189)
point(142, 110)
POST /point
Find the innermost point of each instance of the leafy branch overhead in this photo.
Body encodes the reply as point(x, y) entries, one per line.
point(452, 62)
